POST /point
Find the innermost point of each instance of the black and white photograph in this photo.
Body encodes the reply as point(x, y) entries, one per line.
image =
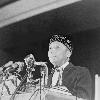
point(49, 49)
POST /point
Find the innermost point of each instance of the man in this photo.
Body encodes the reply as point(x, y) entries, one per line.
point(75, 78)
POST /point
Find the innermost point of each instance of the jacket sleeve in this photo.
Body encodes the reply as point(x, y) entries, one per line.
point(83, 86)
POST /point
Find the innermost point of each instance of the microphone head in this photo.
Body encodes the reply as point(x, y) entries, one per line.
point(19, 65)
point(29, 60)
point(8, 64)
point(41, 63)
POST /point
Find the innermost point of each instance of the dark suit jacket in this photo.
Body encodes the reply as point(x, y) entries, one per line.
point(77, 79)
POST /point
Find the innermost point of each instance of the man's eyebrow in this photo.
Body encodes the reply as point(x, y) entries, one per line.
point(57, 46)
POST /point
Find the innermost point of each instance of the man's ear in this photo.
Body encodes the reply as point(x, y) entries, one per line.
point(68, 53)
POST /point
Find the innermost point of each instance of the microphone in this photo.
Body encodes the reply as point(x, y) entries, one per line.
point(8, 64)
point(32, 64)
point(30, 61)
point(17, 66)
point(10, 70)
point(41, 63)
point(4, 67)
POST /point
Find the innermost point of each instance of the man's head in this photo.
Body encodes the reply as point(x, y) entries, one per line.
point(58, 53)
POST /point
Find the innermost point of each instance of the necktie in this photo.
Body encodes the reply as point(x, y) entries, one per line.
point(60, 78)
point(57, 77)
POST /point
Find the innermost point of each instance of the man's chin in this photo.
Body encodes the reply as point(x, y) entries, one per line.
point(53, 63)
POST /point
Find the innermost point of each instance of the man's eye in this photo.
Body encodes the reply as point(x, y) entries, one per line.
point(57, 47)
point(50, 48)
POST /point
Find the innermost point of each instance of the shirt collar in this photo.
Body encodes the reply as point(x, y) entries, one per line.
point(64, 65)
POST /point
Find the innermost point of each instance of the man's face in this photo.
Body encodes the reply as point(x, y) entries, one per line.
point(57, 53)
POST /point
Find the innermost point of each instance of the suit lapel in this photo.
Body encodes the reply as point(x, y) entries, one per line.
point(70, 65)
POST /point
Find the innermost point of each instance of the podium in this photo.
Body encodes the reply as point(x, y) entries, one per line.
point(58, 96)
point(46, 94)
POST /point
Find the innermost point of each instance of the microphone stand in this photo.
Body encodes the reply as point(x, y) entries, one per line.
point(42, 72)
point(3, 86)
point(13, 95)
point(40, 81)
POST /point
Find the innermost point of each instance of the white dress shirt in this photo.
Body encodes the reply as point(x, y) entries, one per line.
point(58, 75)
